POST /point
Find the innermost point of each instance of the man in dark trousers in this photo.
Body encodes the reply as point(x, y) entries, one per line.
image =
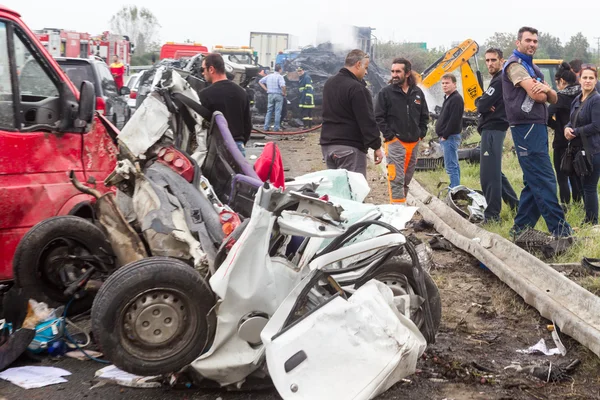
point(225, 96)
point(449, 126)
point(525, 95)
point(492, 126)
point(349, 127)
point(402, 115)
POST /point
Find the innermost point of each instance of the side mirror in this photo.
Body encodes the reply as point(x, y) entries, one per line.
point(124, 91)
point(87, 104)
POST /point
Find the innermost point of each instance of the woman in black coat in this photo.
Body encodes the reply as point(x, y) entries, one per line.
point(558, 118)
point(585, 123)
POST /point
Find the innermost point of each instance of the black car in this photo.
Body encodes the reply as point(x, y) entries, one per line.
point(108, 98)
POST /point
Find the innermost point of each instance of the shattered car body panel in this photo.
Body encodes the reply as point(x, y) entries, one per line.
point(374, 346)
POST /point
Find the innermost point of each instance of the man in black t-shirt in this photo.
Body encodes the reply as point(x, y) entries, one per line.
point(227, 97)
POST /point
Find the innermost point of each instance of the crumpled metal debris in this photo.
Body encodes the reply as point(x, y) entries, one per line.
point(467, 202)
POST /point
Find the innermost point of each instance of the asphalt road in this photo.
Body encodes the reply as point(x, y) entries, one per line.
point(81, 380)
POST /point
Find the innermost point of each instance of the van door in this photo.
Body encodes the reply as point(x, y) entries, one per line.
point(34, 161)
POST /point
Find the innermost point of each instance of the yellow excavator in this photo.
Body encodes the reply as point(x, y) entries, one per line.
point(457, 57)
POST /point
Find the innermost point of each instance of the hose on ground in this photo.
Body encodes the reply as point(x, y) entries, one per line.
point(290, 133)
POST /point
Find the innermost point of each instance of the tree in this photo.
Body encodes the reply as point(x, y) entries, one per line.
point(139, 24)
point(419, 57)
point(549, 47)
point(502, 40)
point(577, 48)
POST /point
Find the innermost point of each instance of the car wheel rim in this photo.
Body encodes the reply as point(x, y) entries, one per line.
point(158, 324)
point(61, 257)
point(400, 286)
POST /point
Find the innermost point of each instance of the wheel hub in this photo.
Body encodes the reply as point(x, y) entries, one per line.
point(155, 318)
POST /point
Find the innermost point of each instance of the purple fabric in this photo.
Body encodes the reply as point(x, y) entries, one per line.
point(244, 167)
point(246, 179)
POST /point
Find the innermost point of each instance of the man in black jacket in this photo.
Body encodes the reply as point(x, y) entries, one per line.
point(402, 115)
point(227, 97)
point(349, 127)
point(492, 126)
point(449, 126)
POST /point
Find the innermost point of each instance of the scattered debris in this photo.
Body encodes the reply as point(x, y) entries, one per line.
point(540, 347)
point(439, 243)
point(548, 372)
point(532, 240)
point(78, 355)
point(34, 377)
point(467, 202)
point(115, 375)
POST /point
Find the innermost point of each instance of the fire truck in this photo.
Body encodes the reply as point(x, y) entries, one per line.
point(63, 43)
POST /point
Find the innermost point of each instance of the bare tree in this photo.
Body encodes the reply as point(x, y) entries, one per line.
point(139, 24)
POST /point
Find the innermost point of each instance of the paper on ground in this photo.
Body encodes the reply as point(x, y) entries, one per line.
point(34, 377)
point(542, 348)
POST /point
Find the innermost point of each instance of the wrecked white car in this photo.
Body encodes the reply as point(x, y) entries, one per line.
point(223, 275)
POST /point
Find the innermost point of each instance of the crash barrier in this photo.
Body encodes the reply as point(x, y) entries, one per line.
point(573, 309)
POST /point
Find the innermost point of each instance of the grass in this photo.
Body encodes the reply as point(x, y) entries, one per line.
point(588, 238)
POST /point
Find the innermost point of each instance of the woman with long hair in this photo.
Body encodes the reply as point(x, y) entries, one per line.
point(585, 124)
point(558, 118)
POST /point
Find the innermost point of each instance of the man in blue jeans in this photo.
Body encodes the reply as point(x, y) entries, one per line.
point(449, 126)
point(274, 85)
point(525, 96)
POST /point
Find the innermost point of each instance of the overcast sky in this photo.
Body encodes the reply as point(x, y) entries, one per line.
point(230, 22)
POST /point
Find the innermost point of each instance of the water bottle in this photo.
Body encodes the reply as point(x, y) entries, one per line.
point(528, 102)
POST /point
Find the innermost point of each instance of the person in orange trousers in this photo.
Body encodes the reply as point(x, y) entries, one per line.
point(402, 115)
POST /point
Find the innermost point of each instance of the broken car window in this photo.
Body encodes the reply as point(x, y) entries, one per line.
point(7, 112)
point(34, 82)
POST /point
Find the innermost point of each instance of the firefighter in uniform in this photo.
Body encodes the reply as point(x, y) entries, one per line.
point(117, 69)
point(307, 98)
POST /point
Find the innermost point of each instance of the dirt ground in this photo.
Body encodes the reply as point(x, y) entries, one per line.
point(483, 324)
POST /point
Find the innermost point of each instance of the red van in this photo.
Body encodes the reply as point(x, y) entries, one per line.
point(47, 128)
point(181, 50)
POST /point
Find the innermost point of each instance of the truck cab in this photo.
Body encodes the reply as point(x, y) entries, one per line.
point(47, 128)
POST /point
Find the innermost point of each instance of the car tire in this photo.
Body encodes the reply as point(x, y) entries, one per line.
point(392, 272)
point(154, 316)
point(37, 261)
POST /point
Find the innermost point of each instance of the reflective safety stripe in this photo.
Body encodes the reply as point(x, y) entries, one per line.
point(307, 119)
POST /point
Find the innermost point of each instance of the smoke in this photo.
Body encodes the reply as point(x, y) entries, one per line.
point(341, 36)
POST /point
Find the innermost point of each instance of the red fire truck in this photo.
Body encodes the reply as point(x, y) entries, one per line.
point(63, 43)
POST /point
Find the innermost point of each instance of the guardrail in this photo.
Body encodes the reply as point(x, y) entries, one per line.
point(139, 67)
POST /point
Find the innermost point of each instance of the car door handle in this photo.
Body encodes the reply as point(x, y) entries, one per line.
point(294, 361)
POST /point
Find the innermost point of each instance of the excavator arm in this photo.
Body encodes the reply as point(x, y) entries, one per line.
point(457, 57)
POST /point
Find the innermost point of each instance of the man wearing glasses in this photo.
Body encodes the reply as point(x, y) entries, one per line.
point(402, 115)
point(227, 97)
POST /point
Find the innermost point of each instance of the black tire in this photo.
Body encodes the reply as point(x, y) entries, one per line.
point(36, 265)
point(125, 317)
point(389, 272)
